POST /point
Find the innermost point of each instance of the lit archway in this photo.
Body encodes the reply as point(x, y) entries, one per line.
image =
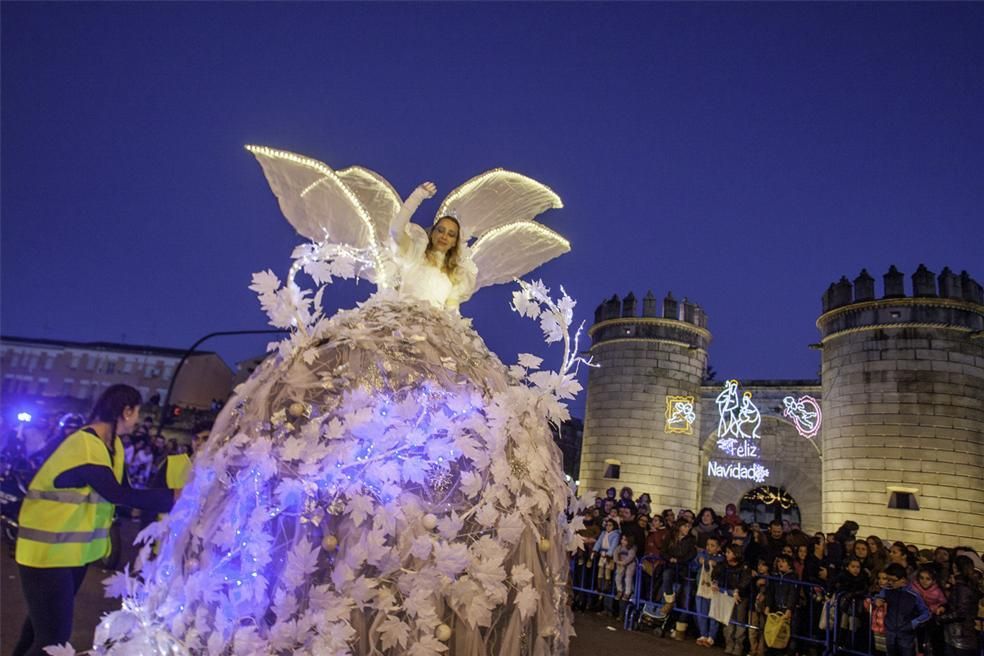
point(767, 503)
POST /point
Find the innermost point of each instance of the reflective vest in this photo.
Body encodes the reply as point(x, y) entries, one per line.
point(178, 469)
point(68, 527)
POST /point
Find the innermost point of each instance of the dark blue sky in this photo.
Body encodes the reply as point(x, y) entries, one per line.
point(744, 155)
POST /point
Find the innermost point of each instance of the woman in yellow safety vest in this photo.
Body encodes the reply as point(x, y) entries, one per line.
point(67, 513)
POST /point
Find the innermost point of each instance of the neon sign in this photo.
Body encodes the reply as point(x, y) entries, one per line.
point(739, 420)
point(680, 415)
point(738, 471)
point(805, 414)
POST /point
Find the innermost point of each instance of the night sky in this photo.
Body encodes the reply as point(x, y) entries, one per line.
point(744, 156)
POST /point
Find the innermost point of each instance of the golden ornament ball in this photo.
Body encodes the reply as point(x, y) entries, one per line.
point(429, 521)
point(544, 545)
point(296, 409)
point(442, 632)
point(329, 542)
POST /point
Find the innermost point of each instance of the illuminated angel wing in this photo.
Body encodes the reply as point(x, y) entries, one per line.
point(497, 198)
point(316, 200)
point(512, 250)
point(376, 195)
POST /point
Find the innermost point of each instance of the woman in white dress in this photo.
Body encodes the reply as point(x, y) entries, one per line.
point(434, 266)
point(382, 484)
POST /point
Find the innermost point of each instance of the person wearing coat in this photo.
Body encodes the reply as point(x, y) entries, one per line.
point(959, 633)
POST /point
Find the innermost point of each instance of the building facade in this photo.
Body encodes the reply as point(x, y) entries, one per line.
point(78, 370)
point(891, 436)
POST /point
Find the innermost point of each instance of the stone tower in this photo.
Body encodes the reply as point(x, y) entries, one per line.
point(629, 438)
point(903, 407)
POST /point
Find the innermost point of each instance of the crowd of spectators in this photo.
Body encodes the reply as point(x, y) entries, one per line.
point(885, 596)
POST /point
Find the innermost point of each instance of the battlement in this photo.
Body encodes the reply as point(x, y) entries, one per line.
point(947, 299)
point(672, 309)
point(925, 284)
point(682, 321)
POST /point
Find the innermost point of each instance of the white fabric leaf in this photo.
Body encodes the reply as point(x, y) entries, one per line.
point(451, 559)
point(450, 526)
point(427, 645)
point(521, 575)
point(526, 601)
point(422, 546)
point(510, 528)
point(470, 483)
point(393, 632)
point(358, 508)
point(487, 515)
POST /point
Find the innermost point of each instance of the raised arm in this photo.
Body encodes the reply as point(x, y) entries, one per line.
point(398, 226)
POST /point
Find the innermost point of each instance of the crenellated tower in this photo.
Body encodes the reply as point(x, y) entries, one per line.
point(903, 406)
point(639, 429)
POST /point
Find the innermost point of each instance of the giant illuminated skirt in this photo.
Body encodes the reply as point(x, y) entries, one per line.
point(392, 488)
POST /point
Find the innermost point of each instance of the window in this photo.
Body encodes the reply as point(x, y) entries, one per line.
point(613, 468)
point(128, 366)
point(90, 362)
point(67, 386)
point(15, 359)
point(32, 361)
point(49, 361)
point(74, 364)
point(902, 500)
point(110, 367)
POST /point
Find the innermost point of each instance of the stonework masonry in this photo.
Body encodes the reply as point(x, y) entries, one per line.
point(903, 404)
point(901, 390)
point(642, 360)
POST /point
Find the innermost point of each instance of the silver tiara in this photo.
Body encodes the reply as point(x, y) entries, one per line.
point(453, 213)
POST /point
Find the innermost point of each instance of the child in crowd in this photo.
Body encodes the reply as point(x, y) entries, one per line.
point(625, 567)
point(706, 559)
point(756, 618)
point(904, 612)
point(605, 548)
point(851, 584)
point(877, 614)
point(782, 596)
point(930, 634)
point(733, 577)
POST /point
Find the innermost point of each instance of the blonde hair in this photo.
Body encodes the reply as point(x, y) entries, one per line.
point(450, 265)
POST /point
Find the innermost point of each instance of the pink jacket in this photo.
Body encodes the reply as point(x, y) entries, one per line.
point(933, 596)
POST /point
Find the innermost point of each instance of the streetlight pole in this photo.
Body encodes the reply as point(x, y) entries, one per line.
point(191, 351)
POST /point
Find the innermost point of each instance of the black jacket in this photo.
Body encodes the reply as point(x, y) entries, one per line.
point(731, 578)
point(684, 551)
point(958, 620)
point(782, 592)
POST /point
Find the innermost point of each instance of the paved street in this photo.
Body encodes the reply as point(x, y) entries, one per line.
point(597, 633)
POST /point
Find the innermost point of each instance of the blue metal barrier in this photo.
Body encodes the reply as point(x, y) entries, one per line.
point(851, 631)
point(847, 631)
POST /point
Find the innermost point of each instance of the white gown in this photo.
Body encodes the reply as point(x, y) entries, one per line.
point(383, 486)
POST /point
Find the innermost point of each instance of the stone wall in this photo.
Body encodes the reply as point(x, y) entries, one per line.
point(903, 403)
point(641, 361)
